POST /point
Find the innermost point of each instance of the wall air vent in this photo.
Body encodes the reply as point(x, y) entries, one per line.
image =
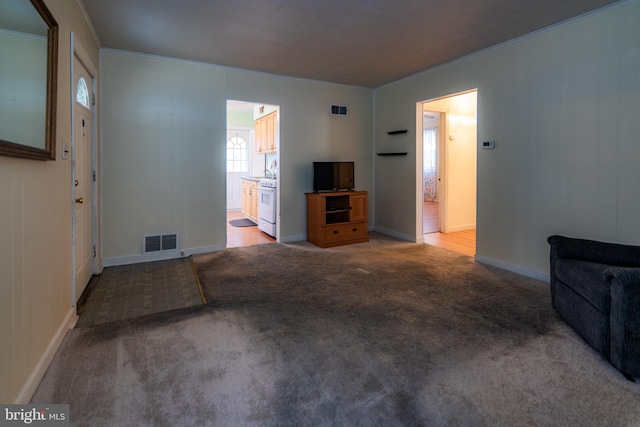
point(338, 110)
point(159, 242)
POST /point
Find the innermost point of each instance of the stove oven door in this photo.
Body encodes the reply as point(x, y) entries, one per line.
point(267, 210)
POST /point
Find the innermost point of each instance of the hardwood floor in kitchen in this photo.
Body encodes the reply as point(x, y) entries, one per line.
point(244, 236)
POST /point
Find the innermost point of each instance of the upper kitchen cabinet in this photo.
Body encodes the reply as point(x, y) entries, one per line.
point(265, 129)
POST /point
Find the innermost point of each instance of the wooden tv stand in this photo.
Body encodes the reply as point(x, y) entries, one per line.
point(337, 218)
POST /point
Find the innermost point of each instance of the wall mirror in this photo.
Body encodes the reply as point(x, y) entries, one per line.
point(28, 79)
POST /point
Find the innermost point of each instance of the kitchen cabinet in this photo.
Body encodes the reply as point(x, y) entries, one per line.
point(250, 199)
point(265, 132)
point(260, 134)
point(337, 218)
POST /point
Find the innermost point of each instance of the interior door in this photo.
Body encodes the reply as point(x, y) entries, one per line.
point(432, 167)
point(83, 178)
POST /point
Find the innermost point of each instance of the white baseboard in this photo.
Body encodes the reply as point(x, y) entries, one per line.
point(463, 227)
point(158, 256)
point(534, 274)
point(45, 360)
point(395, 234)
point(293, 239)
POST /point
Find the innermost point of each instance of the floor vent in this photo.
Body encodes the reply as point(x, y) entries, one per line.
point(160, 242)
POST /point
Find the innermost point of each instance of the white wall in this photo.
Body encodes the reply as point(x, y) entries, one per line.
point(35, 239)
point(163, 147)
point(563, 108)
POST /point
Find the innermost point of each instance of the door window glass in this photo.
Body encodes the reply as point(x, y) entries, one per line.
point(237, 154)
point(82, 93)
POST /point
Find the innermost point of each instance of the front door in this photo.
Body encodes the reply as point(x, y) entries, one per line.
point(83, 178)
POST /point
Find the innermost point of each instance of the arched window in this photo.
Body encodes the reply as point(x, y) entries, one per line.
point(82, 93)
point(237, 154)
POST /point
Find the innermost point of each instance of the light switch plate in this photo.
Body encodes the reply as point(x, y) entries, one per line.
point(487, 145)
point(65, 150)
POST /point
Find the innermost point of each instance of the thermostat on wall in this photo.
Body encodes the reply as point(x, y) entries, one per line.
point(488, 144)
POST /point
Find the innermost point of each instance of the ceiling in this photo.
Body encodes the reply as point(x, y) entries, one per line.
point(357, 42)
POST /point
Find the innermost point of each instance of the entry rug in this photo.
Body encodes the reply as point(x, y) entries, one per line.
point(129, 291)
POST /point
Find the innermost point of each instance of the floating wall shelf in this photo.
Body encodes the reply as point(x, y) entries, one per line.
point(392, 154)
point(397, 132)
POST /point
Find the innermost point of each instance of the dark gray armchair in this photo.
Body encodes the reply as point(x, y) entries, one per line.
point(595, 288)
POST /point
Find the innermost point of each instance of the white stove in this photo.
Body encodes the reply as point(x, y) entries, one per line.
point(267, 205)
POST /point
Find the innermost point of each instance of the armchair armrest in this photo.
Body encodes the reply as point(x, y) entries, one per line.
point(593, 251)
point(624, 318)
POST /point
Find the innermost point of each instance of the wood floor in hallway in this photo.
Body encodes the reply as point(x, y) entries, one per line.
point(463, 242)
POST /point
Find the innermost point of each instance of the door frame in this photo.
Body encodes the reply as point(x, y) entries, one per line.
point(443, 162)
point(252, 148)
point(77, 51)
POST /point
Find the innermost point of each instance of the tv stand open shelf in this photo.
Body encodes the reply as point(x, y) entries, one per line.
point(337, 218)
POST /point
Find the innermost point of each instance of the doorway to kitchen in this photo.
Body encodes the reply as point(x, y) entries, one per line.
point(447, 194)
point(252, 158)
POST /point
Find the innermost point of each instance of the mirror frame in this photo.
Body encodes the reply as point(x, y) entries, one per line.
point(16, 149)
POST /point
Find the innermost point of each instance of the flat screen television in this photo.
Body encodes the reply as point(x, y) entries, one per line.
point(332, 176)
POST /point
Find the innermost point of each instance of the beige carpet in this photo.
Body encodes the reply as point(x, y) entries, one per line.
point(384, 333)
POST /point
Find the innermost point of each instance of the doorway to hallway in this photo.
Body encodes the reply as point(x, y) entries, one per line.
point(447, 195)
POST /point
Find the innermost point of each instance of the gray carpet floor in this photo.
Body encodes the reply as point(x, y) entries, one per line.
point(384, 333)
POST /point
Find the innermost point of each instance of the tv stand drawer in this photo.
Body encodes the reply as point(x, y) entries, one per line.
point(345, 231)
